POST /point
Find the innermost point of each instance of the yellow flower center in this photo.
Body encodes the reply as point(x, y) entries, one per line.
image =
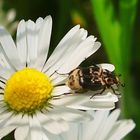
point(27, 90)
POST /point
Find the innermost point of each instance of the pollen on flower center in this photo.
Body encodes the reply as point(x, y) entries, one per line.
point(27, 90)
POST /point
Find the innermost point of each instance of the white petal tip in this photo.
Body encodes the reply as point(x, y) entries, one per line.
point(107, 66)
point(48, 18)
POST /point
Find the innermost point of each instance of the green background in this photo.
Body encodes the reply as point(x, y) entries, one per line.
point(116, 25)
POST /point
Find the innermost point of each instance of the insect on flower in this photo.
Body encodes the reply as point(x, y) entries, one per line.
point(93, 78)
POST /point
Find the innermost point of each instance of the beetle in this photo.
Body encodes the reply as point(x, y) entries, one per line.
point(92, 78)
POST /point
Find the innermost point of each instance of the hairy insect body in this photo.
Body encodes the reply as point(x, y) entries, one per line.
point(74, 80)
point(92, 78)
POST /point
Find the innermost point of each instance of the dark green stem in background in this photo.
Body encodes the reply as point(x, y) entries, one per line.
point(63, 17)
point(116, 33)
point(109, 29)
point(127, 17)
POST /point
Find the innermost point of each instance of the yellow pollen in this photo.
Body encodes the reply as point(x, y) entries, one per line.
point(27, 90)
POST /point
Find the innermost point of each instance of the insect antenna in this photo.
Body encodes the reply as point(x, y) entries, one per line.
point(120, 83)
point(61, 73)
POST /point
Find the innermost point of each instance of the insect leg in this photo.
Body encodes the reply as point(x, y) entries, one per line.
point(114, 91)
point(100, 93)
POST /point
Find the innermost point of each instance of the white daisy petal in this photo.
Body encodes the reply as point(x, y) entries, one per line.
point(2, 111)
point(79, 46)
point(61, 46)
point(64, 126)
point(103, 105)
point(15, 120)
point(49, 124)
point(39, 23)
point(4, 61)
point(80, 107)
point(108, 97)
point(104, 126)
point(82, 101)
point(21, 42)
point(1, 97)
point(5, 73)
point(86, 48)
point(72, 99)
point(106, 66)
point(59, 80)
point(74, 37)
point(67, 37)
point(9, 125)
point(108, 124)
point(35, 128)
point(2, 86)
point(45, 137)
point(121, 129)
point(44, 42)
point(52, 137)
point(57, 75)
point(74, 116)
point(28, 137)
point(21, 133)
point(6, 130)
point(31, 42)
point(60, 90)
point(69, 114)
point(5, 115)
point(8, 46)
point(49, 136)
point(53, 127)
point(72, 134)
point(99, 118)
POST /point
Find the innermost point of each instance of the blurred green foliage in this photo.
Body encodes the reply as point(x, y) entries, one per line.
point(114, 23)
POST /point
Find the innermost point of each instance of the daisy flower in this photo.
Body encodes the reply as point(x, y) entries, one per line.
point(32, 99)
point(104, 126)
